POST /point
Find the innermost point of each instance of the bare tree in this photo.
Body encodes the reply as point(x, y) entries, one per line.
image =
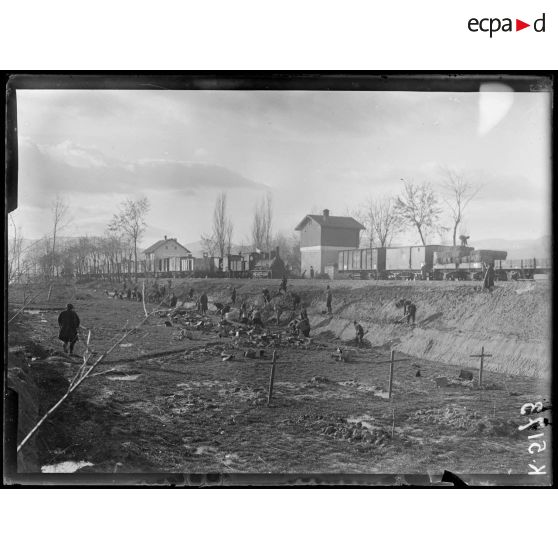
point(268, 221)
point(381, 219)
point(60, 219)
point(220, 239)
point(131, 222)
point(258, 233)
point(458, 193)
point(15, 251)
point(228, 236)
point(289, 250)
point(208, 244)
point(418, 207)
point(262, 224)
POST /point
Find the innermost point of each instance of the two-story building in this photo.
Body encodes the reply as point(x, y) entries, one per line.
point(322, 237)
point(168, 255)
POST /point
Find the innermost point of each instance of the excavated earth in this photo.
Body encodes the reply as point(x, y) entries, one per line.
point(165, 401)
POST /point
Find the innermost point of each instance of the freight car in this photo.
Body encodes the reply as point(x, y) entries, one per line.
point(402, 262)
point(436, 262)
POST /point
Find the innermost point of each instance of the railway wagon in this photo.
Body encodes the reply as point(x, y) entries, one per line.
point(381, 262)
point(411, 258)
point(362, 260)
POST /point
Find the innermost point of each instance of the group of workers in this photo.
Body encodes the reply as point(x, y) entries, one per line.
point(69, 323)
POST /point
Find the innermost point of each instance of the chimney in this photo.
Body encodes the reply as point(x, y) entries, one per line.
point(326, 213)
point(277, 251)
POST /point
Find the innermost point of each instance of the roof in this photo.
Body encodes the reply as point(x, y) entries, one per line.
point(160, 243)
point(332, 222)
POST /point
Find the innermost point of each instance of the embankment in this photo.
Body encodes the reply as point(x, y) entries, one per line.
point(454, 319)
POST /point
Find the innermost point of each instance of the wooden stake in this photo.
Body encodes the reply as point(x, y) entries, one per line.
point(391, 361)
point(271, 377)
point(391, 373)
point(50, 292)
point(482, 356)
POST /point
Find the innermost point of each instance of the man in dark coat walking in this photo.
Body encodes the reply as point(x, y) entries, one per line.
point(68, 321)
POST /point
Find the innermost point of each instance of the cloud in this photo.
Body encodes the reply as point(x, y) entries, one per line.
point(69, 168)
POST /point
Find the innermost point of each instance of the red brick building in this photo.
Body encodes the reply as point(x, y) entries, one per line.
point(321, 238)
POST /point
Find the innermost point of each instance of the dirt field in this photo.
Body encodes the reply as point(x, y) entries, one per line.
point(166, 401)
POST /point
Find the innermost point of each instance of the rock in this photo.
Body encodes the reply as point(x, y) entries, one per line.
point(441, 381)
point(466, 375)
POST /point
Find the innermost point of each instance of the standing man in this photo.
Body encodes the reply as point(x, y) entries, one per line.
point(278, 311)
point(283, 285)
point(203, 304)
point(233, 295)
point(257, 318)
point(359, 333)
point(328, 300)
point(311, 272)
point(266, 296)
point(191, 294)
point(296, 300)
point(68, 321)
point(304, 327)
point(410, 311)
point(488, 282)
point(303, 313)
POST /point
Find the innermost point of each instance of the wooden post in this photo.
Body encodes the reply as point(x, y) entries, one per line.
point(482, 356)
point(50, 292)
point(481, 366)
point(271, 377)
point(391, 373)
point(391, 361)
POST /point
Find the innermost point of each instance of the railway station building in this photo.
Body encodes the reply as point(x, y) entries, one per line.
point(323, 236)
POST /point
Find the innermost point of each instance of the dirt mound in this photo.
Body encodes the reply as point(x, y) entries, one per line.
point(460, 418)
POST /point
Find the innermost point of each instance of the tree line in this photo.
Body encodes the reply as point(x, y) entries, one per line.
point(263, 238)
point(114, 254)
point(419, 207)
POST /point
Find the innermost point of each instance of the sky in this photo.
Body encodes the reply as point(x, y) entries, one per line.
point(309, 149)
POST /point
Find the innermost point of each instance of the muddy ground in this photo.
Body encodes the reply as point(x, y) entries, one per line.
point(166, 401)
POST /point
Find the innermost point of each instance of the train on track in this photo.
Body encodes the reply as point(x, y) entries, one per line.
point(434, 262)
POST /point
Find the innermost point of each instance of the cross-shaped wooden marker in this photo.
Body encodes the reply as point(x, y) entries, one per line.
point(482, 356)
point(391, 361)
